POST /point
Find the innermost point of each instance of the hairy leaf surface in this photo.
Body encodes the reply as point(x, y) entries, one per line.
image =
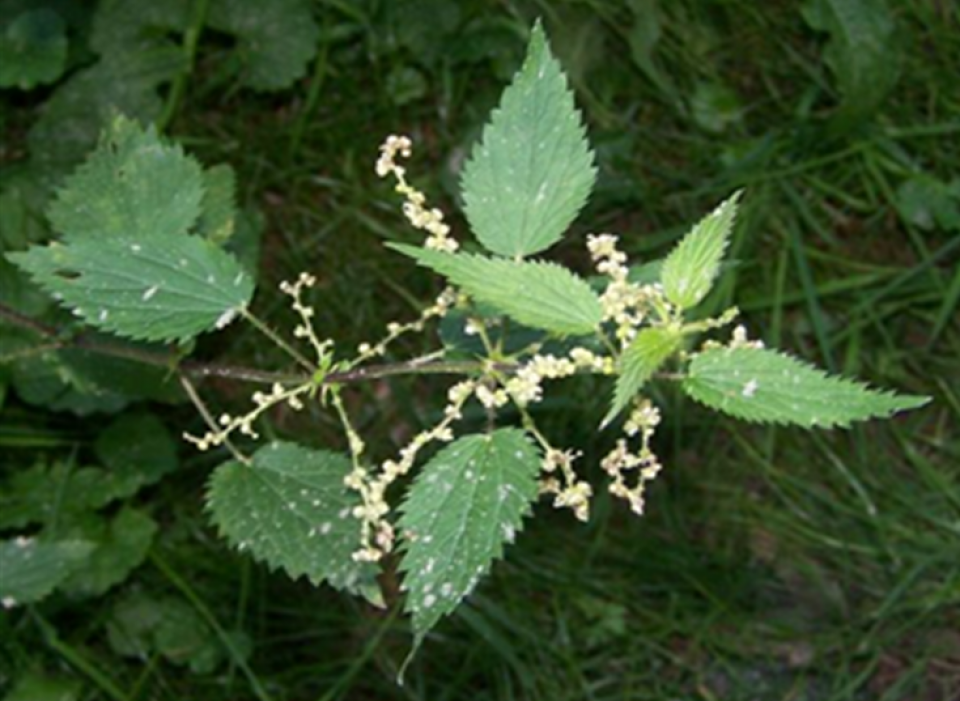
point(466, 503)
point(689, 271)
point(290, 509)
point(151, 289)
point(532, 171)
point(539, 294)
point(769, 387)
point(645, 354)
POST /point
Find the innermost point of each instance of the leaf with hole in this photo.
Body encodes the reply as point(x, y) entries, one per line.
point(150, 289)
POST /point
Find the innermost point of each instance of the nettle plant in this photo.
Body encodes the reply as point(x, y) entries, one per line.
point(142, 257)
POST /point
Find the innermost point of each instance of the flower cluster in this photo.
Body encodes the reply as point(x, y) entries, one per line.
point(291, 395)
point(377, 533)
point(305, 328)
point(571, 492)
point(227, 424)
point(643, 420)
point(524, 387)
point(624, 303)
point(444, 302)
point(414, 209)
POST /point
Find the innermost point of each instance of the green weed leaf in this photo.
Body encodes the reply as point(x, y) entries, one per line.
point(32, 569)
point(275, 40)
point(152, 289)
point(138, 450)
point(466, 503)
point(769, 387)
point(640, 360)
point(290, 509)
point(532, 171)
point(862, 52)
point(120, 545)
point(33, 49)
point(538, 294)
point(141, 625)
point(132, 186)
point(689, 271)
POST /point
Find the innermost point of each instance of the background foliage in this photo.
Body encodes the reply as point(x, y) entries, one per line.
point(772, 563)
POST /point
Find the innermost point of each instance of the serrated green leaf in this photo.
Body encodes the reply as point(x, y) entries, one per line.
point(465, 504)
point(689, 271)
point(539, 294)
point(275, 40)
point(133, 186)
point(219, 208)
point(120, 546)
point(765, 386)
point(151, 289)
point(33, 49)
point(532, 171)
point(31, 569)
point(290, 509)
point(643, 357)
point(138, 451)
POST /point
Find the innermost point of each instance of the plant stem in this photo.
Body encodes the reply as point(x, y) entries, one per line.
point(60, 339)
point(191, 38)
point(278, 341)
point(201, 407)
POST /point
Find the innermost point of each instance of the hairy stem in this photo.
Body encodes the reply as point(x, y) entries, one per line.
point(62, 339)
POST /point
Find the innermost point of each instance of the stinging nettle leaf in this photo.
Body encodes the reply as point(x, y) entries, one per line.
point(535, 293)
point(532, 171)
point(291, 509)
point(768, 387)
point(133, 186)
point(466, 503)
point(690, 269)
point(31, 569)
point(152, 289)
point(643, 357)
